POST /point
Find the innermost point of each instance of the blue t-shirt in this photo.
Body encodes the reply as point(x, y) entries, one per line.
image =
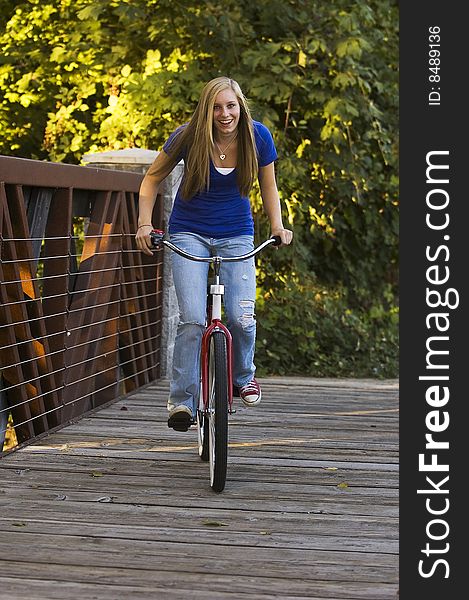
point(220, 211)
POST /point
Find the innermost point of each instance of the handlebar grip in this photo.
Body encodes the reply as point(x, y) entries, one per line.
point(277, 239)
point(156, 237)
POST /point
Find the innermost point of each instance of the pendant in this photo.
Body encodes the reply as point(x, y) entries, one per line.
point(222, 156)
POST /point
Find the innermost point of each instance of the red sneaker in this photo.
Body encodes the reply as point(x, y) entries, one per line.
point(251, 393)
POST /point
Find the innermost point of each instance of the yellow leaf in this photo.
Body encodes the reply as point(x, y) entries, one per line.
point(215, 524)
point(126, 70)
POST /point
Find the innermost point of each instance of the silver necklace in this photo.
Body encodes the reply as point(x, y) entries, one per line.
point(222, 154)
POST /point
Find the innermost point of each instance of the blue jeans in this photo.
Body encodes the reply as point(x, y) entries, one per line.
point(190, 280)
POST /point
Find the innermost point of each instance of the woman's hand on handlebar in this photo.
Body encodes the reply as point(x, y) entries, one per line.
point(142, 238)
point(285, 235)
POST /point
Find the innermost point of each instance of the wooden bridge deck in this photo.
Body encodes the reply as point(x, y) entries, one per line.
point(118, 507)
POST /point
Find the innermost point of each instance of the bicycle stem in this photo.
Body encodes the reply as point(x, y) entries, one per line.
point(217, 290)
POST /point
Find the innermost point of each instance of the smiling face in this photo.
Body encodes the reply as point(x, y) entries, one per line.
point(226, 112)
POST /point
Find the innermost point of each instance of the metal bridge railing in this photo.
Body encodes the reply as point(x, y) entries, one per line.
point(80, 307)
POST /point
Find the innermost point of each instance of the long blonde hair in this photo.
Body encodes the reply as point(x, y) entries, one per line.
point(197, 139)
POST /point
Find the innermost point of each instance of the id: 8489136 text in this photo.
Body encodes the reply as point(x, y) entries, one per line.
point(434, 62)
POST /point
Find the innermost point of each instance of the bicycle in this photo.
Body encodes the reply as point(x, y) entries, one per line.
point(216, 378)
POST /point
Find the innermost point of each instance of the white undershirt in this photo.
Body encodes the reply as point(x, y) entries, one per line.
point(224, 170)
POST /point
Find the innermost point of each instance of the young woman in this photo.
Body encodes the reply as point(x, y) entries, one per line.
point(224, 151)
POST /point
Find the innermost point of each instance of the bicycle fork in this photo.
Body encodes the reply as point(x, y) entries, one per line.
point(217, 291)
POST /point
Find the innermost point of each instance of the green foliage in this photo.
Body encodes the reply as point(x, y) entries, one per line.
point(89, 75)
point(305, 328)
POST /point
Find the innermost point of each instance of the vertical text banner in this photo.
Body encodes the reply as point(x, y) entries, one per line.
point(434, 268)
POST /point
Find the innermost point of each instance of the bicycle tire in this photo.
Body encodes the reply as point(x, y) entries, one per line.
point(218, 410)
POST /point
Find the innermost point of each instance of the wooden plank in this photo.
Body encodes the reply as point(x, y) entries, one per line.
point(314, 477)
point(128, 575)
point(318, 478)
point(244, 496)
point(55, 506)
point(326, 503)
point(204, 536)
point(319, 504)
point(332, 449)
point(58, 175)
point(333, 464)
point(55, 589)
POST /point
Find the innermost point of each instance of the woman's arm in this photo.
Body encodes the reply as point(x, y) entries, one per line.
point(161, 168)
point(271, 202)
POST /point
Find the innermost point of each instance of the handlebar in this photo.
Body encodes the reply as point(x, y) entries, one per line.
point(157, 240)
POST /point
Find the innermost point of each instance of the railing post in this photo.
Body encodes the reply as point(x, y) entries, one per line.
point(170, 304)
point(139, 160)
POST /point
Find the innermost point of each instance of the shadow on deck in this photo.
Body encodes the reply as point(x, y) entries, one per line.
point(118, 507)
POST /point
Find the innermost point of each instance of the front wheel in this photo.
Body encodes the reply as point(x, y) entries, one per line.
point(218, 410)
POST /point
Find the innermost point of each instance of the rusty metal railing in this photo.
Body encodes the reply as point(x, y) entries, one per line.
point(80, 307)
